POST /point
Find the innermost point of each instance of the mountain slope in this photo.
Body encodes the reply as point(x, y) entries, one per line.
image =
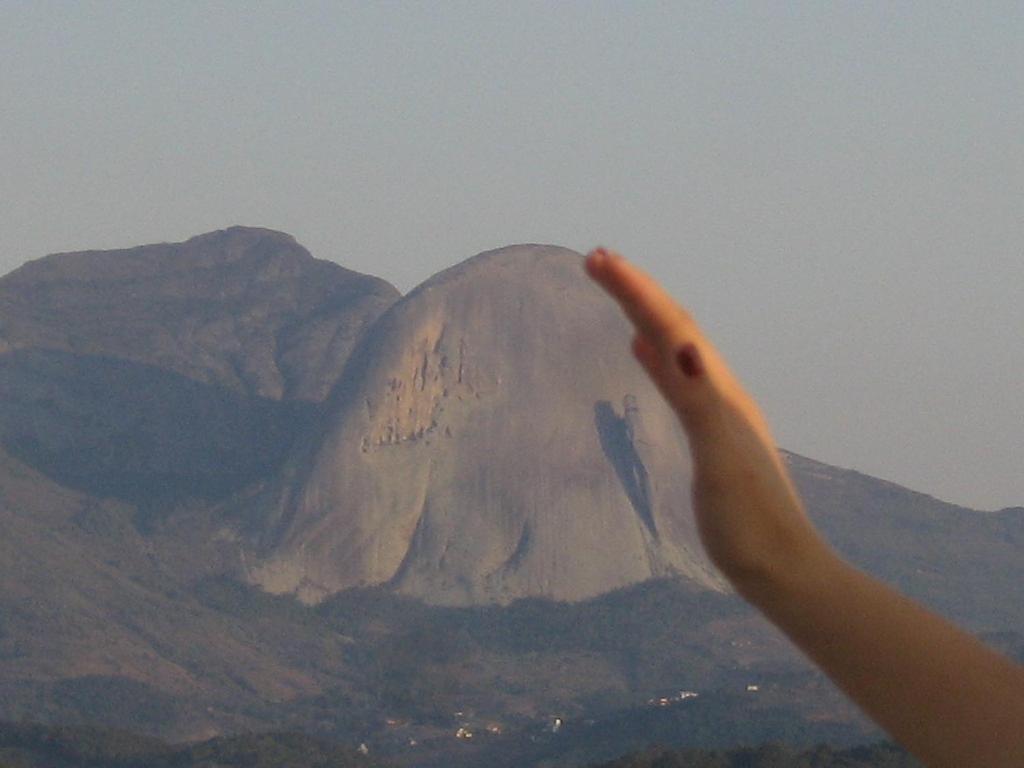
point(96, 619)
point(175, 371)
point(961, 562)
point(137, 386)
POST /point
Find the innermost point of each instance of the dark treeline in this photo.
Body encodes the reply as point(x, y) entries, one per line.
point(27, 745)
point(770, 756)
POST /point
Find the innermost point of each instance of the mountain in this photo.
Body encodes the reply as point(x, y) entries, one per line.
point(245, 309)
point(136, 385)
point(477, 497)
point(490, 440)
point(170, 371)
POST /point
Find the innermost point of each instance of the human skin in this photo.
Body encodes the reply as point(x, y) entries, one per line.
point(950, 700)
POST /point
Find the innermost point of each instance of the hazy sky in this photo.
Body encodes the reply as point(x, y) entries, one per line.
point(835, 189)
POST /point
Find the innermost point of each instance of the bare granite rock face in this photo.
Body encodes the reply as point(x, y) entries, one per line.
point(491, 439)
point(242, 308)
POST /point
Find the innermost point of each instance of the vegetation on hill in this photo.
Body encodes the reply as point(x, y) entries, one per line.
point(771, 756)
point(27, 745)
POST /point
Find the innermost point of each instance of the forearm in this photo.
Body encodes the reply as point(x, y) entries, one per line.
point(936, 689)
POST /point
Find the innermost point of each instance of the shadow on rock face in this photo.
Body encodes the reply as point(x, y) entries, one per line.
point(617, 441)
point(156, 439)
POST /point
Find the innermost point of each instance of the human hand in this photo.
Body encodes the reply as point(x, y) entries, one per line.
point(749, 515)
point(896, 659)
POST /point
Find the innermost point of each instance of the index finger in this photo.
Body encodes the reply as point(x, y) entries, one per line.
point(655, 314)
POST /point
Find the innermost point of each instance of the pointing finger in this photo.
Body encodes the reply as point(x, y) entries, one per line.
point(654, 313)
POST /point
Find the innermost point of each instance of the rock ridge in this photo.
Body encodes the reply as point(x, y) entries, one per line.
point(245, 308)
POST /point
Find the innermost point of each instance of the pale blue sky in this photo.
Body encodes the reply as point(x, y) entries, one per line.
point(836, 190)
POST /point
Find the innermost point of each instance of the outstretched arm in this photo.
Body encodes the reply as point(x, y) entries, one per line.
point(935, 688)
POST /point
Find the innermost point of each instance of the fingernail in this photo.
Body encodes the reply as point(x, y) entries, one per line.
point(688, 360)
